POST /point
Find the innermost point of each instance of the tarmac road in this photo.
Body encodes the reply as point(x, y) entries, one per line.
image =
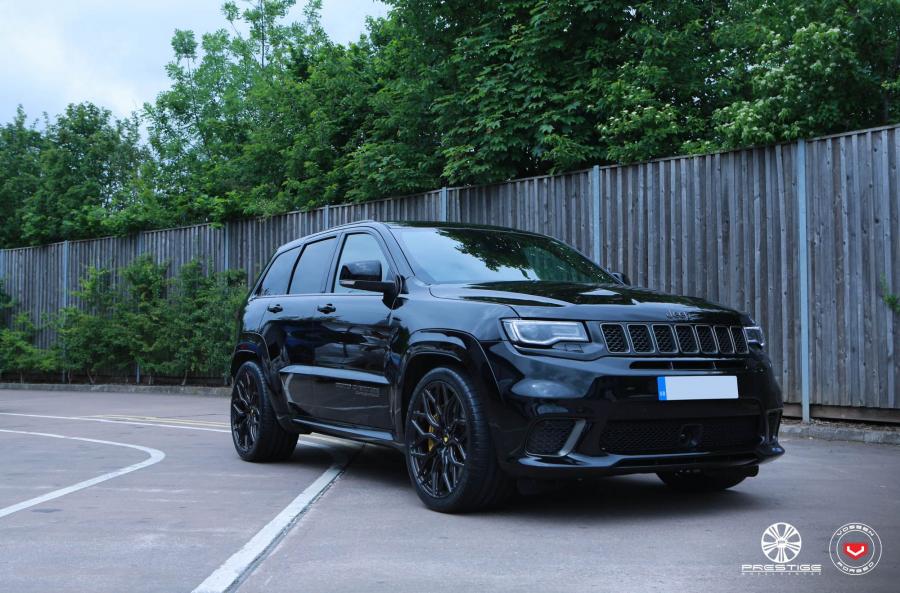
point(143, 492)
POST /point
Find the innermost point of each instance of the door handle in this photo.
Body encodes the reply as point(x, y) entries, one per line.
point(329, 308)
point(275, 308)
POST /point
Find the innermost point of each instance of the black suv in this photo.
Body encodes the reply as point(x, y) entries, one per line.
point(487, 354)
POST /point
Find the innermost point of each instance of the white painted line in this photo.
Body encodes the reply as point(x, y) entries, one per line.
point(244, 560)
point(155, 457)
point(108, 421)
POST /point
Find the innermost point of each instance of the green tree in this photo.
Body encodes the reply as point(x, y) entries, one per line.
point(88, 162)
point(20, 171)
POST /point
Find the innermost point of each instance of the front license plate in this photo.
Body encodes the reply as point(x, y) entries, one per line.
point(706, 387)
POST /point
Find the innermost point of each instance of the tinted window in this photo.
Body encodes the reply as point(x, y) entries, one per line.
point(279, 274)
point(360, 247)
point(477, 255)
point(313, 267)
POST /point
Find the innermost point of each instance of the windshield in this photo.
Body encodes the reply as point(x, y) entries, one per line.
point(468, 256)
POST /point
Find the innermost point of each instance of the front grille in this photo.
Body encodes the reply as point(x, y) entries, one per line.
point(686, 339)
point(740, 340)
point(707, 341)
point(547, 437)
point(723, 337)
point(681, 338)
point(640, 338)
point(665, 341)
point(615, 337)
point(662, 436)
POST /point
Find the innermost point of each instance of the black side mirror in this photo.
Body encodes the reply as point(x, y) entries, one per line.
point(622, 278)
point(366, 275)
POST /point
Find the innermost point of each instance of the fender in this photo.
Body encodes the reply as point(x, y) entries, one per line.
point(461, 347)
point(253, 345)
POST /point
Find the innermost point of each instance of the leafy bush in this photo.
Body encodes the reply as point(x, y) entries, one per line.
point(166, 326)
point(891, 300)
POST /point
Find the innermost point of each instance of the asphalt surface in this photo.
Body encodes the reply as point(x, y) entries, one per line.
point(174, 521)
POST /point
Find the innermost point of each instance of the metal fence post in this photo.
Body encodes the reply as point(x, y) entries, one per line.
point(325, 222)
point(443, 204)
point(64, 292)
point(802, 238)
point(595, 212)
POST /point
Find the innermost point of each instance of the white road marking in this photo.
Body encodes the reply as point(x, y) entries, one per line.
point(155, 456)
point(109, 421)
point(242, 562)
point(254, 551)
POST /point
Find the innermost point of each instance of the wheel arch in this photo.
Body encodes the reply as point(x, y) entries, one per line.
point(429, 349)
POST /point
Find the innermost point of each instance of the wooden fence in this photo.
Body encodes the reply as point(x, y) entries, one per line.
point(798, 235)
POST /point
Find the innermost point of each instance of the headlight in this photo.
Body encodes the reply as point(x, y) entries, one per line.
point(533, 332)
point(755, 335)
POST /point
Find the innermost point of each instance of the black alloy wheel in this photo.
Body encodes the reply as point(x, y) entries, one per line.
point(245, 412)
point(450, 454)
point(441, 436)
point(255, 430)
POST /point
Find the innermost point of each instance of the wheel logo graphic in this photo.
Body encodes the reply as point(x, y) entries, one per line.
point(855, 549)
point(781, 542)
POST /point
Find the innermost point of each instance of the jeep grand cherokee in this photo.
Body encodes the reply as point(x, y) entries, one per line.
point(487, 354)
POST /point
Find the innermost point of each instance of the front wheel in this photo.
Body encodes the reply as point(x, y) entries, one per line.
point(449, 451)
point(255, 430)
point(701, 480)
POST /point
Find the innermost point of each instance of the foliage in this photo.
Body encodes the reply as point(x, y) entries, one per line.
point(891, 300)
point(266, 115)
point(18, 354)
point(169, 327)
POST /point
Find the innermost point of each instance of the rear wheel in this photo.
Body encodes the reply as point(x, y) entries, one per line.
point(449, 452)
point(255, 430)
point(697, 480)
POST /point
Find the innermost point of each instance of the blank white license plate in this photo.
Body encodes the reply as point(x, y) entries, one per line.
point(706, 387)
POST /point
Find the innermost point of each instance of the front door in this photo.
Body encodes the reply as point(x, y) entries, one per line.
point(353, 333)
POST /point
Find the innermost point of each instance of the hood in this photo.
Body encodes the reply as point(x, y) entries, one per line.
point(590, 302)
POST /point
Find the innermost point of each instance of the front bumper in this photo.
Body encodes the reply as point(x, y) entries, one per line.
point(608, 420)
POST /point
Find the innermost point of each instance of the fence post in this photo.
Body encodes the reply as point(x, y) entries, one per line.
point(595, 212)
point(325, 221)
point(140, 250)
point(443, 211)
point(64, 293)
point(226, 247)
point(802, 238)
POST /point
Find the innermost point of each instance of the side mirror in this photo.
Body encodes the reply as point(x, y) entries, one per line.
point(622, 278)
point(366, 275)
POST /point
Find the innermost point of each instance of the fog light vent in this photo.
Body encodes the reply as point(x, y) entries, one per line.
point(548, 437)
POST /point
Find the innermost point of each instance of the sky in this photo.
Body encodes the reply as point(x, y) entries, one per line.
point(113, 52)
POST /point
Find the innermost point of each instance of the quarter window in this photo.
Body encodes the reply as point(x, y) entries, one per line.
point(309, 277)
point(276, 280)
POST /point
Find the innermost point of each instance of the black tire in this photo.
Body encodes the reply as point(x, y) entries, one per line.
point(701, 480)
point(451, 460)
point(255, 430)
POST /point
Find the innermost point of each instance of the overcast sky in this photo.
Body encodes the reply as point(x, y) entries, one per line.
point(112, 52)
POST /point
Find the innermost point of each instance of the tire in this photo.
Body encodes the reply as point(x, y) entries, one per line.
point(701, 480)
point(449, 451)
point(255, 430)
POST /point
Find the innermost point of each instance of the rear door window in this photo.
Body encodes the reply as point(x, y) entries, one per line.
point(315, 261)
point(279, 274)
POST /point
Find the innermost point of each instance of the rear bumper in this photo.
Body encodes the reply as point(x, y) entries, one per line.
point(604, 417)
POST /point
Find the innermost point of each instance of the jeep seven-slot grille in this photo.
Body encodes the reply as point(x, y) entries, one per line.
point(615, 337)
point(681, 338)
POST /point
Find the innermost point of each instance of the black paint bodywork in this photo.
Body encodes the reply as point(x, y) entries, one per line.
point(345, 364)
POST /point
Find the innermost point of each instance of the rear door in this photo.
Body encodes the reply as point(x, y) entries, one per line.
point(287, 325)
point(353, 331)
